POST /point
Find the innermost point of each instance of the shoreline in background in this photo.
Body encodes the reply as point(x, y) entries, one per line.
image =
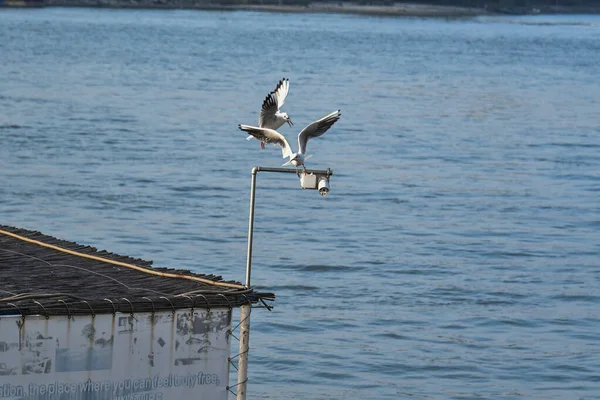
point(395, 10)
point(399, 9)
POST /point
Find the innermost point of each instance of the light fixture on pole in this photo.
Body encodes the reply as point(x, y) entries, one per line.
point(310, 179)
point(316, 180)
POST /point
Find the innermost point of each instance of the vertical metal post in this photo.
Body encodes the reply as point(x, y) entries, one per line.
point(244, 348)
point(246, 308)
point(251, 226)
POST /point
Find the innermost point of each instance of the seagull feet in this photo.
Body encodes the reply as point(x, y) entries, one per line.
point(262, 145)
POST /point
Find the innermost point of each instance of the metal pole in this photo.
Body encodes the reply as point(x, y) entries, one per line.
point(246, 308)
point(251, 226)
point(244, 349)
point(327, 171)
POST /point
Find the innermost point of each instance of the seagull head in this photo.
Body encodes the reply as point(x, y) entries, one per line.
point(287, 119)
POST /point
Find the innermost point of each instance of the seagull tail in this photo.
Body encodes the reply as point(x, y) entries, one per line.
point(287, 163)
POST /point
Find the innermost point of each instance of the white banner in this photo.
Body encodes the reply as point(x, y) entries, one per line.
point(121, 357)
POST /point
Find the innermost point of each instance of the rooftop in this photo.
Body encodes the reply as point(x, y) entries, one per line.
point(40, 274)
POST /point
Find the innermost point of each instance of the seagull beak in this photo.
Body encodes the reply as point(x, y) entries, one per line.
point(289, 121)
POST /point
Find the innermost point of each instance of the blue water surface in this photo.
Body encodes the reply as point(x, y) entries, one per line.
point(457, 256)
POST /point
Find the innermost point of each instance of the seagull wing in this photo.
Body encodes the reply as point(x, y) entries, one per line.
point(273, 102)
point(269, 136)
point(281, 91)
point(316, 129)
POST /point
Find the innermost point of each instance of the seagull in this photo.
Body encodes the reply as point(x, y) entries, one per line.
point(270, 116)
point(313, 130)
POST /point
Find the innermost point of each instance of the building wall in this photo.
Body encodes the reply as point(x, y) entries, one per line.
point(135, 357)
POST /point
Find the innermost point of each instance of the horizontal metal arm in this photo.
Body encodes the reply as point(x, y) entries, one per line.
point(327, 172)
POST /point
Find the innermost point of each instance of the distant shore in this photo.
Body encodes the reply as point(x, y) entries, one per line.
point(397, 9)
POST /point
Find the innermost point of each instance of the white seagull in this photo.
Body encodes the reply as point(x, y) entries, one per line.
point(313, 130)
point(270, 116)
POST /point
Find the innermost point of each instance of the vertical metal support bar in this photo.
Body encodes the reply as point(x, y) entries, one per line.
point(251, 226)
point(246, 308)
point(244, 349)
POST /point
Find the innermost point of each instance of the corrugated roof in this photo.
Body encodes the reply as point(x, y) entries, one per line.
point(40, 274)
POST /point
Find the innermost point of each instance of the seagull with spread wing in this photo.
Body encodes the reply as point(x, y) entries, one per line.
point(313, 130)
point(270, 115)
